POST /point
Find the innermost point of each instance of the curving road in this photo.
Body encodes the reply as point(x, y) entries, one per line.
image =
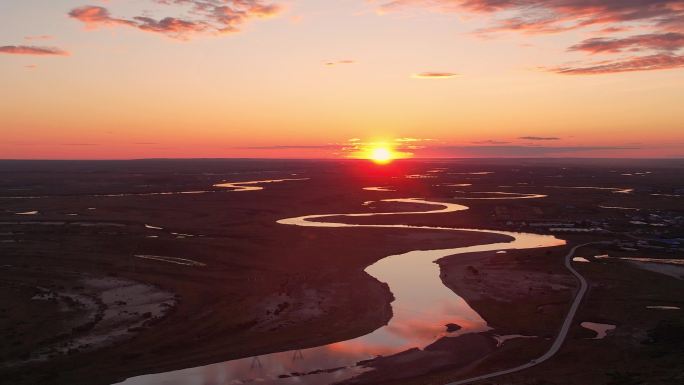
point(560, 338)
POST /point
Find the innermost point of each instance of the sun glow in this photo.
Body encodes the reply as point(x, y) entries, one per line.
point(379, 152)
point(381, 155)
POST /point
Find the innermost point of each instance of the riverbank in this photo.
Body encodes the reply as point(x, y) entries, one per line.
point(248, 286)
point(236, 310)
point(495, 286)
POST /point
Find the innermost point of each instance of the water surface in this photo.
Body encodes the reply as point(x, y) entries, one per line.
point(421, 309)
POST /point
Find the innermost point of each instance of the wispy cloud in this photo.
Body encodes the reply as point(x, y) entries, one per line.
point(80, 144)
point(521, 151)
point(403, 147)
point(339, 62)
point(663, 20)
point(669, 42)
point(490, 142)
point(295, 147)
point(355, 147)
point(412, 140)
point(434, 75)
point(548, 16)
point(32, 50)
point(194, 17)
point(637, 63)
point(38, 37)
point(422, 148)
point(541, 138)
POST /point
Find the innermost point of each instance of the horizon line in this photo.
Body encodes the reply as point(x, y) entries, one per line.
point(330, 159)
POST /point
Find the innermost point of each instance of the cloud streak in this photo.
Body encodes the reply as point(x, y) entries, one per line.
point(194, 17)
point(663, 20)
point(38, 37)
point(489, 149)
point(638, 63)
point(32, 50)
point(434, 75)
point(339, 62)
point(493, 142)
point(548, 16)
point(294, 147)
point(520, 151)
point(668, 42)
point(541, 138)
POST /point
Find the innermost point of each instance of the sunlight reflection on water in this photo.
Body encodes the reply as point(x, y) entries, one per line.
point(421, 309)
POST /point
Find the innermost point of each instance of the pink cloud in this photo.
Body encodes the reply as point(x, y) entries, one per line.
point(663, 19)
point(32, 50)
point(639, 63)
point(94, 17)
point(555, 15)
point(435, 75)
point(195, 17)
point(339, 62)
point(670, 41)
point(38, 37)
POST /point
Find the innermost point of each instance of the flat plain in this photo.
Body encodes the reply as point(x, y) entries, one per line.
point(112, 270)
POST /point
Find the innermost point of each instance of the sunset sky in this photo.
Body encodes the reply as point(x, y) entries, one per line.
point(122, 79)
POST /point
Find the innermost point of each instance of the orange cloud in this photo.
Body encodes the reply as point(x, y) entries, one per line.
point(38, 37)
point(639, 63)
point(435, 75)
point(539, 16)
point(400, 148)
point(663, 18)
point(338, 62)
point(213, 17)
point(32, 50)
point(670, 41)
point(94, 17)
point(542, 138)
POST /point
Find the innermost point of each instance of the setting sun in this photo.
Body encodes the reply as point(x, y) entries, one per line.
point(381, 155)
point(307, 163)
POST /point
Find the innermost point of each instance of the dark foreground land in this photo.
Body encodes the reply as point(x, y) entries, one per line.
point(86, 299)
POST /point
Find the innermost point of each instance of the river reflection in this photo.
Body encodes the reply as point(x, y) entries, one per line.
point(421, 309)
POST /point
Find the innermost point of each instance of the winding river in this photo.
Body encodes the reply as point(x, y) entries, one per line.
point(421, 309)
